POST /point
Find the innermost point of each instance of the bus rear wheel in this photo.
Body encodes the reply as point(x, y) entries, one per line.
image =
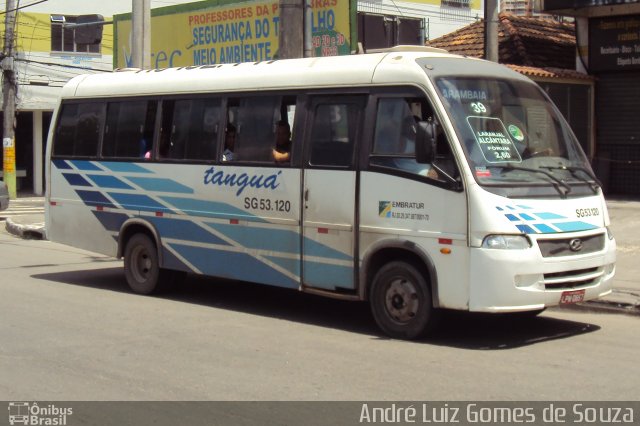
point(401, 302)
point(142, 265)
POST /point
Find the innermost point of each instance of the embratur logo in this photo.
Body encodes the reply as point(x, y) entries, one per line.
point(27, 413)
point(384, 208)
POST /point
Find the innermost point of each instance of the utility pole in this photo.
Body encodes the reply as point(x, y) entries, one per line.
point(141, 26)
point(9, 101)
point(491, 19)
point(291, 32)
point(308, 29)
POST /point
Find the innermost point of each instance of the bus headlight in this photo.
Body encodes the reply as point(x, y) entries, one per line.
point(609, 233)
point(506, 242)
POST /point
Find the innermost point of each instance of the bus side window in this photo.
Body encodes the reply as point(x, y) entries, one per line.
point(128, 125)
point(78, 133)
point(395, 135)
point(190, 129)
point(255, 118)
point(335, 126)
point(166, 129)
point(66, 130)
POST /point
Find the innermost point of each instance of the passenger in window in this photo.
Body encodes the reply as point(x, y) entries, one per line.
point(282, 151)
point(229, 143)
point(145, 149)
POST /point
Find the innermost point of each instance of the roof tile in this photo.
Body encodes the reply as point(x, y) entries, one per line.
point(525, 42)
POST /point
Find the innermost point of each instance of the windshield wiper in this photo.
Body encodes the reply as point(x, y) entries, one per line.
point(573, 169)
point(560, 186)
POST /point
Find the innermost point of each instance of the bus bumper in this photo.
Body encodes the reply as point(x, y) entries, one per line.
point(522, 280)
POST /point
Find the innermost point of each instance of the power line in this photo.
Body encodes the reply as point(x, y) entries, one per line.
point(60, 65)
point(22, 7)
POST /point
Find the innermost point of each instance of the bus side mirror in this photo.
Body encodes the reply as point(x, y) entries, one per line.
point(426, 141)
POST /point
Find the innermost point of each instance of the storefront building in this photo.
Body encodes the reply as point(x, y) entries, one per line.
point(608, 37)
point(48, 53)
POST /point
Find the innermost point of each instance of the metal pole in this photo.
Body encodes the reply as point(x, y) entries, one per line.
point(291, 34)
point(9, 101)
point(491, 20)
point(308, 30)
point(141, 31)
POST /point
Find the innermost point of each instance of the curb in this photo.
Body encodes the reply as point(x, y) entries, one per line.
point(28, 232)
point(606, 307)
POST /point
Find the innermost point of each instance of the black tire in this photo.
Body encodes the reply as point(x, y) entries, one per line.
point(401, 301)
point(142, 266)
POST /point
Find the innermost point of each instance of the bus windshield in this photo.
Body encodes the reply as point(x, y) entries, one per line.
point(514, 138)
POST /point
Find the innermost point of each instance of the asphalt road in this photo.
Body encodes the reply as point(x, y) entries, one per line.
point(70, 330)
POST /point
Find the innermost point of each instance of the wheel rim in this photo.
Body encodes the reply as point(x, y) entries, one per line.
point(141, 264)
point(402, 300)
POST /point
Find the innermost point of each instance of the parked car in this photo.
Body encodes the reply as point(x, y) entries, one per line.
point(4, 196)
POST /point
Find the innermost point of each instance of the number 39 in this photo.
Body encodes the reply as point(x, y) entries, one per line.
point(478, 108)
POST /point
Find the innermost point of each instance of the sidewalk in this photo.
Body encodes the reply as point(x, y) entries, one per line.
point(25, 216)
point(625, 225)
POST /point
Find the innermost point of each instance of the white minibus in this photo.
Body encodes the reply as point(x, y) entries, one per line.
point(414, 179)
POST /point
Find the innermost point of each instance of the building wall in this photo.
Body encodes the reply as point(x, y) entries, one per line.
point(440, 17)
point(613, 57)
point(40, 74)
point(228, 31)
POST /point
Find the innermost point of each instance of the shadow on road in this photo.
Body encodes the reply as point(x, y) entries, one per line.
point(458, 329)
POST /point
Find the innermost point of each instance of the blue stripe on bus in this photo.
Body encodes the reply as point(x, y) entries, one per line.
point(548, 216)
point(211, 209)
point(184, 230)
point(328, 276)
point(279, 240)
point(62, 165)
point(138, 202)
point(234, 265)
point(545, 229)
point(110, 220)
point(110, 182)
point(316, 249)
point(512, 217)
point(160, 185)
point(526, 229)
point(291, 265)
point(125, 167)
point(574, 226)
point(76, 180)
point(94, 199)
point(85, 165)
point(525, 216)
point(170, 261)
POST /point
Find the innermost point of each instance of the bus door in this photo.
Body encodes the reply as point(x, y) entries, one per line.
point(329, 192)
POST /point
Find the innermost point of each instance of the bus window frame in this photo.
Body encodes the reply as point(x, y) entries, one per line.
point(366, 153)
point(56, 126)
point(317, 98)
point(220, 124)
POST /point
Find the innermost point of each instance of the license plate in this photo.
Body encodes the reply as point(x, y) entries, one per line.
point(573, 296)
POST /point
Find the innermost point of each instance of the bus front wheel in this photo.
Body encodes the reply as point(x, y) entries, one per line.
point(141, 264)
point(401, 302)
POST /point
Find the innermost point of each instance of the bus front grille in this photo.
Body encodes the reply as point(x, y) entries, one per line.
point(572, 279)
point(571, 246)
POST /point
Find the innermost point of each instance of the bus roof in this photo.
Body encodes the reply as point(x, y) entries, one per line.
point(395, 66)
